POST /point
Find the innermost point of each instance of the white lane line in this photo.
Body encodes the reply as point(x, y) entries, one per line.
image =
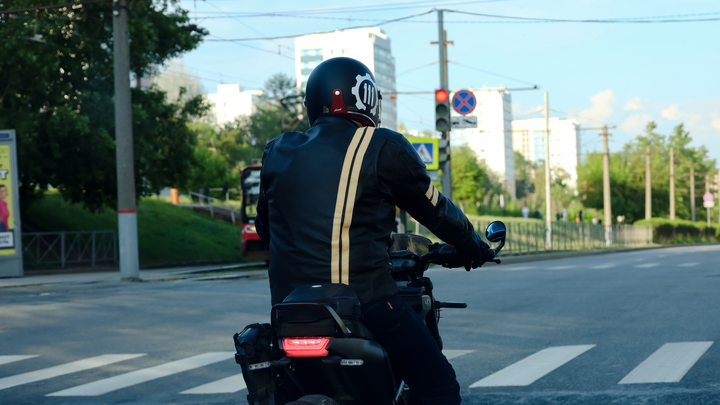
point(532, 368)
point(516, 268)
point(10, 359)
point(689, 264)
point(560, 267)
point(646, 265)
point(227, 385)
point(668, 364)
point(67, 368)
point(605, 266)
point(451, 354)
point(140, 376)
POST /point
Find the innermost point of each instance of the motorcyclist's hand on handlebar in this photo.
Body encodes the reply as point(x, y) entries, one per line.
point(475, 258)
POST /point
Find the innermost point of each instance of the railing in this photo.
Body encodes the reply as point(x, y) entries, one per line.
point(207, 201)
point(69, 247)
point(524, 238)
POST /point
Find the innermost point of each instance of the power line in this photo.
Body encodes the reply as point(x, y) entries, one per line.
point(494, 74)
point(246, 45)
point(643, 20)
point(321, 32)
point(247, 26)
point(368, 8)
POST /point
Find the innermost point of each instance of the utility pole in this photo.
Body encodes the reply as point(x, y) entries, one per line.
point(127, 216)
point(548, 198)
point(672, 183)
point(607, 202)
point(692, 193)
point(446, 179)
point(648, 188)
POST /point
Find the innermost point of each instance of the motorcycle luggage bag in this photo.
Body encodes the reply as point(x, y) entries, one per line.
point(254, 355)
point(315, 320)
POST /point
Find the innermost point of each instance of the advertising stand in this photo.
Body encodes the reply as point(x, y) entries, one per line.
point(11, 264)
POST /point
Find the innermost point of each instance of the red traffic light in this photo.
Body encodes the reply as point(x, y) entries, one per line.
point(441, 95)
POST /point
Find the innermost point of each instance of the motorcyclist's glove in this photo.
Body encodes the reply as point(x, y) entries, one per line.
point(476, 257)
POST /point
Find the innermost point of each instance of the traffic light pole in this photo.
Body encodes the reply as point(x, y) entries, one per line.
point(127, 217)
point(446, 179)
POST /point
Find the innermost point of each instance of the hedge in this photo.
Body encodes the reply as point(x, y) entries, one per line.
point(673, 231)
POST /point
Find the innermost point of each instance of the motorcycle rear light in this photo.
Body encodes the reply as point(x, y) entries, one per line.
point(305, 346)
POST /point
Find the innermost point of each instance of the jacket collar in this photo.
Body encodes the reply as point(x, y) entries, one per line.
point(335, 120)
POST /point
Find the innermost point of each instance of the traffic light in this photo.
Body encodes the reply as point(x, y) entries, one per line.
point(442, 111)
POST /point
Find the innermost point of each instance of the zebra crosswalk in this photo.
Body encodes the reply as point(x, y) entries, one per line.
point(668, 364)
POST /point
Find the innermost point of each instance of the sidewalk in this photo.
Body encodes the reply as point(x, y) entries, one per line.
point(200, 272)
point(175, 273)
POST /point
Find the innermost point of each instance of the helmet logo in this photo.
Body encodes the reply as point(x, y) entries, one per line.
point(365, 92)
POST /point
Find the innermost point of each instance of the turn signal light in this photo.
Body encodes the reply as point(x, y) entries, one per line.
point(305, 346)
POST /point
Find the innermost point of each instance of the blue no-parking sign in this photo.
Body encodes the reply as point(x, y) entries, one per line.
point(427, 148)
point(464, 102)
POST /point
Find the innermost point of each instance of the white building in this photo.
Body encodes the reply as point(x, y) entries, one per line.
point(529, 140)
point(492, 139)
point(368, 45)
point(232, 101)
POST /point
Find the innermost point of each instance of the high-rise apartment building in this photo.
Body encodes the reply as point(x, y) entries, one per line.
point(492, 139)
point(230, 102)
point(370, 46)
point(529, 140)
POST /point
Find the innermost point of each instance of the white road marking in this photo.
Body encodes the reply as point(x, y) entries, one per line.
point(532, 368)
point(662, 256)
point(10, 359)
point(228, 385)
point(67, 368)
point(605, 266)
point(140, 376)
point(668, 364)
point(560, 267)
point(515, 268)
point(451, 354)
point(689, 264)
point(646, 265)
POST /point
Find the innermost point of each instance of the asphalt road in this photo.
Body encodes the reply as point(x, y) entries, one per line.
point(629, 328)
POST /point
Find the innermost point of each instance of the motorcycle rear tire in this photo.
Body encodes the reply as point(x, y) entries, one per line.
point(314, 400)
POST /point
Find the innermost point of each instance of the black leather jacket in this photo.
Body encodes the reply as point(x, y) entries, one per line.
point(327, 207)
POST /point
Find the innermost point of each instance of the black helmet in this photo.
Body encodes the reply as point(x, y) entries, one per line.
point(343, 86)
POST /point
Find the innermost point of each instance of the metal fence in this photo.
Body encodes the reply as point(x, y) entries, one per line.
point(69, 247)
point(525, 238)
point(210, 202)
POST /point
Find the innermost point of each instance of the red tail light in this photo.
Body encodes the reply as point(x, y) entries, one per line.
point(305, 346)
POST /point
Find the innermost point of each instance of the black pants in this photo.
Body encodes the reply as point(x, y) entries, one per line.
point(412, 351)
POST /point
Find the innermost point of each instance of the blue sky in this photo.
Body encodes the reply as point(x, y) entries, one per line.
point(619, 74)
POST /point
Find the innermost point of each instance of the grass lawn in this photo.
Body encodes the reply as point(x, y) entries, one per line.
point(168, 235)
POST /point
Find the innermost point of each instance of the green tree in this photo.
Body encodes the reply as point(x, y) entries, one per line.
point(56, 90)
point(627, 174)
point(467, 178)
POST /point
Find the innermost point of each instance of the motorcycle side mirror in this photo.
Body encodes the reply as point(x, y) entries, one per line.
point(495, 232)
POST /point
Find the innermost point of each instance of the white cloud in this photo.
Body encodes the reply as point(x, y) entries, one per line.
point(716, 120)
point(634, 104)
point(635, 123)
point(673, 113)
point(602, 106)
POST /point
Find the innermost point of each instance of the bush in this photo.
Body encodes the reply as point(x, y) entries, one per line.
point(680, 231)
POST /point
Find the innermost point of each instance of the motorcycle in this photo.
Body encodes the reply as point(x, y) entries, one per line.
point(316, 349)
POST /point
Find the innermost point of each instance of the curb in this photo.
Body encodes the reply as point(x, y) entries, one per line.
point(567, 255)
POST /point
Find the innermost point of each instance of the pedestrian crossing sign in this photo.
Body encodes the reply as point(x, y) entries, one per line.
point(427, 148)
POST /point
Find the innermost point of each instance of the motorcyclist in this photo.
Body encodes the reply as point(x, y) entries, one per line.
point(327, 208)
